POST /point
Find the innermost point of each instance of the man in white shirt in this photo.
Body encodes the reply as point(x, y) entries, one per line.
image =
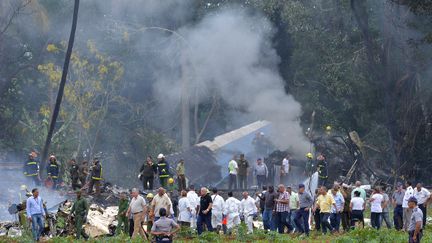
point(423, 196)
point(409, 192)
point(285, 169)
point(217, 210)
point(232, 211)
point(233, 170)
point(138, 208)
point(193, 198)
point(249, 210)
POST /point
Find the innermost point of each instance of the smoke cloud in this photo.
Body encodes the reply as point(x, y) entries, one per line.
point(229, 54)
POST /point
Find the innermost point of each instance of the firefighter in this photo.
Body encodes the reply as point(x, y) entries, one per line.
point(322, 170)
point(80, 210)
point(96, 176)
point(53, 171)
point(163, 170)
point(309, 164)
point(31, 170)
point(74, 173)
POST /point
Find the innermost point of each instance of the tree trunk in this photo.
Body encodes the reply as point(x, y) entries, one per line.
point(61, 85)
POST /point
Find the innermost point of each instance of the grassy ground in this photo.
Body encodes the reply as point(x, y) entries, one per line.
point(358, 235)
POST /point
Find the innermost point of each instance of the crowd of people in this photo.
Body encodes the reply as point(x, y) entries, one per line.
point(285, 209)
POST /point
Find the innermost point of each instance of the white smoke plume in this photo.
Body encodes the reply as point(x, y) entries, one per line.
point(230, 54)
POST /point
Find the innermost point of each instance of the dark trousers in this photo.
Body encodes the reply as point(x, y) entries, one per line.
point(242, 181)
point(163, 181)
point(398, 217)
point(82, 180)
point(424, 210)
point(302, 221)
point(181, 179)
point(411, 234)
point(346, 220)
point(75, 184)
point(261, 181)
point(357, 216)
point(317, 220)
point(281, 220)
point(232, 182)
point(55, 183)
point(322, 181)
point(148, 182)
point(325, 222)
point(335, 219)
point(376, 220)
point(95, 183)
point(204, 219)
point(131, 227)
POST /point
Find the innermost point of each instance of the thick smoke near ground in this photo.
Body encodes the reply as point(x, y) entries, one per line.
point(229, 54)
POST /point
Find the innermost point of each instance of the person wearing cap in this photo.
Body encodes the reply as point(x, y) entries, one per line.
point(423, 196)
point(31, 169)
point(305, 204)
point(149, 216)
point(261, 173)
point(181, 175)
point(138, 207)
point(79, 210)
point(415, 226)
point(397, 200)
point(163, 170)
point(122, 217)
point(95, 176)
point(53, 171)
point(409, 192)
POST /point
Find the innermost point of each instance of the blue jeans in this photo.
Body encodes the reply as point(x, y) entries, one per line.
point(281, 220)
point(335, 219)
point(302, 215)
point(37, 226)
point(268, 219)
point(204, 219)
point(261, 180)
point(293, 214)
point(325, 223)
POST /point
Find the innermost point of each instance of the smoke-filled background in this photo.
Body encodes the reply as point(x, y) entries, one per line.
point(151, 76)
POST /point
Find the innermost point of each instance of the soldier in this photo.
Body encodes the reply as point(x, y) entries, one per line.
point(79, 210)
point(122, 217)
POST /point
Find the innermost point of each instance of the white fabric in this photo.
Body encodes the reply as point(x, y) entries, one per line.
point(232, 167)
point(248, 209)
point(248, 206)
point(217, 210)
point(409, 192)
point(232, 211)
point(137, 204)
point(194, 202)
point(357, 203)
point(285, 165)
point(422, 196)
point(184, 208)
point(376, 201)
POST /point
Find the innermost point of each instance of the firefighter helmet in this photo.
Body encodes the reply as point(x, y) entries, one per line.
point(150, 195)
point(170, 180)
point(309, 155)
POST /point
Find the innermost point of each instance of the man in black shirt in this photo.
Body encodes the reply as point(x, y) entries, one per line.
point(74, 174)
point(204, 212)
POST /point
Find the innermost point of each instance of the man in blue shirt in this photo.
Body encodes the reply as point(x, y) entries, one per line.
point(35, 213)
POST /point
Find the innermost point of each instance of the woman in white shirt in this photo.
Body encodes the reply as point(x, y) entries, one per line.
point(377, 205)
point(357, 206)
point(185, 211)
